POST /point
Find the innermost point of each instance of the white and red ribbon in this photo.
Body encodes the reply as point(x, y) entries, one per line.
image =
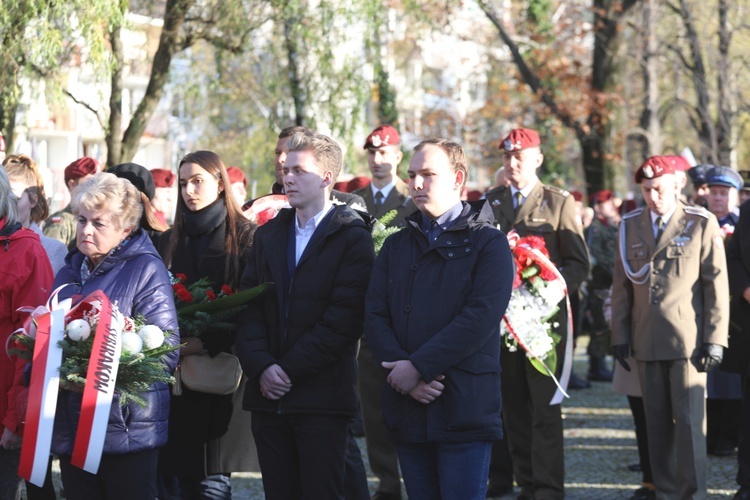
point(562, 384)
point(42, 399)
point(99, 389)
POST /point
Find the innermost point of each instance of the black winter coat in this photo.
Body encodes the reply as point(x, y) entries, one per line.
point(135, 278)
point(203, 439)
point(439, 305)
point(314, 337)
point(737, 356)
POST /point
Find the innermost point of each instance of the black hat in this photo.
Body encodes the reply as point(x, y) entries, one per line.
point(698, 174)
point(139, 176)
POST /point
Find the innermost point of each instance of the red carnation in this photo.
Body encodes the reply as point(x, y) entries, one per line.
point(226, 290)
point(183, 295)
point(547, 274)
point(265, 215)
point(210, 294)
point(181, 277)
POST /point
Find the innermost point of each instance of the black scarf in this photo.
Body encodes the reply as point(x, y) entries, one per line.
point(204, 220)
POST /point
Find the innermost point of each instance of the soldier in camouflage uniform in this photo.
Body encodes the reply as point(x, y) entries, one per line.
point(62, 224)
point(601, 238)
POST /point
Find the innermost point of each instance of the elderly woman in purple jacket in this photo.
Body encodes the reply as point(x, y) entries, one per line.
point(115, 256)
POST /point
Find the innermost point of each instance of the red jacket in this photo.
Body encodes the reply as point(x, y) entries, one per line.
point(25, 280)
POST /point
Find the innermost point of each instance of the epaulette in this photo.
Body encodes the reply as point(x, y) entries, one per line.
point(557, 190)
point(697, 211)
point(633, 213)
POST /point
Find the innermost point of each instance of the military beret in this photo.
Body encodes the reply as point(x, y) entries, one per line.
point(163, 178)
point(654, 167)
point(384, 135)
point(577, 195)
point(236, 175)
point(520, 138)
point(698, 173)
point(680, 163)
point(138, 176)
point(81, 168)
point(358, 183)
point(724, 176)
point(602, 196)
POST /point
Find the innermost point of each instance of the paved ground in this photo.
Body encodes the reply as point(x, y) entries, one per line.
point(599, 445)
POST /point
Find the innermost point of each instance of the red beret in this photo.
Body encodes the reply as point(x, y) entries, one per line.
point(163, 178)
point(384, 135)
point(577, 195)
point(358, 183)
point(81, 168)
point(680, 163)
point(520, 138)
point(602, 196)
point(236, 175)
point(654, 167)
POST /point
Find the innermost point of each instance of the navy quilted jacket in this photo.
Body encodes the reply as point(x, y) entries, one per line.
point(136, 279)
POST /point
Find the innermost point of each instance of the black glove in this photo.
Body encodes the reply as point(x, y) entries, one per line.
point(710, 357)
point(620, 352)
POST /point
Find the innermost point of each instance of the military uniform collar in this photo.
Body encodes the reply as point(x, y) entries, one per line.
point(526, 191)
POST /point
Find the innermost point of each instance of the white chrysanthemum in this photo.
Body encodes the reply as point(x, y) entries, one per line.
point(78, 330)
point(540, 345)
point(131, 343)
point(152, 337)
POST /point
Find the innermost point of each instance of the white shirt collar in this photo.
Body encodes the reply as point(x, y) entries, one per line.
point(386, 190)
point(664, 217)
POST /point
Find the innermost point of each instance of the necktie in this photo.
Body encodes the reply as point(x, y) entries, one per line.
point(659, 228)
point(519, 200)
point(379, 198)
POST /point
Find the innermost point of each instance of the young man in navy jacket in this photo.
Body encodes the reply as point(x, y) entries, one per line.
point(297, 342)
point(437, 294)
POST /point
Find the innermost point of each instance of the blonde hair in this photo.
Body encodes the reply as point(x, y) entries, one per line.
point(326, 152)
point(108, 193)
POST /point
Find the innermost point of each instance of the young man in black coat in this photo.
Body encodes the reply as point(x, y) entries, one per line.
point(297, 342)
point(438, 292)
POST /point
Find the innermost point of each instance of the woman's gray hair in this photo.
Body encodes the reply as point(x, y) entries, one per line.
point(108, 193)
point(8, 202)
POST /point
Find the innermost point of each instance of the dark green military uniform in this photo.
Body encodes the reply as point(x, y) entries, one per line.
point(62, 226)
point(398, 199)
point(535, 435)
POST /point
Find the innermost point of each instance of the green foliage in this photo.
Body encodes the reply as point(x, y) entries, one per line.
point(381, 231)
point(387, 111)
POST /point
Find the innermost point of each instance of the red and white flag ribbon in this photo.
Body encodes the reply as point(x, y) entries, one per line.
point(100, 387)
point(42, 400)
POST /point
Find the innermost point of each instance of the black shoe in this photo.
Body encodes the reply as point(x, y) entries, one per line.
point(644, 493)
point(382, 495)
point(722, 450)
point(742, 494)
point(577, 382)
point(601, 375)
point(497, 490)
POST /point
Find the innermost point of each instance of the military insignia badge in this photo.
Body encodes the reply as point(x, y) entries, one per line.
point(648, 172)
point(495, 203)
point(377, 142)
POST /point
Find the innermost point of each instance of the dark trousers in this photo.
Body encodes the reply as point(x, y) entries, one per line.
point(535, 431)
point(381, 451)
point(355, 475)
point(722, 423)
point(501, 465)
point(743, 448)
point(301, 456)
point(641, 436)
point(120, 477)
